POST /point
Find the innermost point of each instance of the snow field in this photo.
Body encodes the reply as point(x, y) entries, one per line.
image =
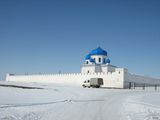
point(61, 102)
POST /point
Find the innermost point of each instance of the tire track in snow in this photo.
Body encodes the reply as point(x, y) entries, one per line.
point(47, 103)
point(30, 104)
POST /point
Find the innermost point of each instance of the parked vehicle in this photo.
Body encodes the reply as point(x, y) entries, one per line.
point(93, 82)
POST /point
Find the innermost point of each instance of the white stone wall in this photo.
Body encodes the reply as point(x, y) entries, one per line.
point(118, 79)
point(88, 69)
point(97, 68)
point(139, 80)
point(111, 79)
point(108, 68)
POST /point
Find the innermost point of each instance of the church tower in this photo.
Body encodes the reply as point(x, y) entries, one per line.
point(97, 61)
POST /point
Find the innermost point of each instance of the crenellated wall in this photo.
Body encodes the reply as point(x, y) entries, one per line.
point(111, 79)
point(118, 79)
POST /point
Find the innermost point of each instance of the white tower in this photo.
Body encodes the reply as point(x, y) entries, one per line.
point(96, 61)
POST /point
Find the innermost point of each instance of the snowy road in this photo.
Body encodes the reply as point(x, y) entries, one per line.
point(56, 102)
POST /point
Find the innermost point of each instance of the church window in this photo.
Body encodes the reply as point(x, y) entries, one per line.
point(99, 59)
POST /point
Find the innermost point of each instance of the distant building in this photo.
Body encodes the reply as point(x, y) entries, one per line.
point(96, 64)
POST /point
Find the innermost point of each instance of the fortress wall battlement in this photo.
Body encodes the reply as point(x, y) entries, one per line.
point(111, 79)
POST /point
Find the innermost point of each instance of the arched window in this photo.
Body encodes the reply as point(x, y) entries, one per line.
point(99, 59)
point(86, 62)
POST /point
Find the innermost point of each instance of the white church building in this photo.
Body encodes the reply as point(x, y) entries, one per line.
point(96, 65)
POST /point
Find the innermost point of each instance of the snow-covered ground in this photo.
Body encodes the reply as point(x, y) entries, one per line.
point(61, 102)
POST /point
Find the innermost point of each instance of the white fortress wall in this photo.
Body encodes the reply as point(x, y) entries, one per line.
point(140, 80)
point(111, 79)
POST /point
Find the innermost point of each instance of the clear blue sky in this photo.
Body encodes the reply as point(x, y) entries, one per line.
point(52, 35)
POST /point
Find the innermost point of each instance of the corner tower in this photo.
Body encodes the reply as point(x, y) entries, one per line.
point(96, 61)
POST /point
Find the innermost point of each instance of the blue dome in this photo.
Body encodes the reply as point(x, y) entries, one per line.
point(92, 60)
point(108, 61)
point(98, 51)
point(88, 57)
